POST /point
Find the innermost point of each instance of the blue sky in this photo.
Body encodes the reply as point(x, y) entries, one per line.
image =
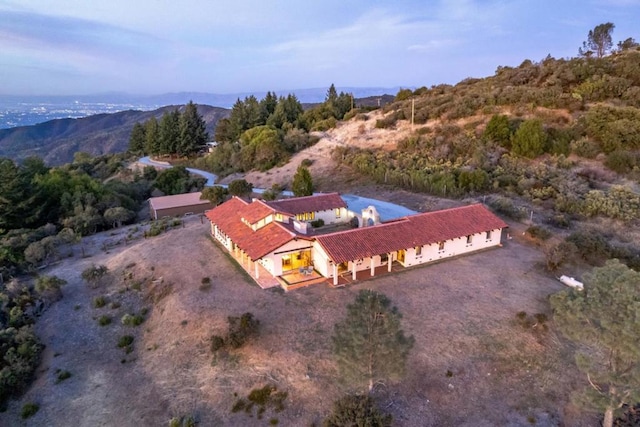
point(75, 47)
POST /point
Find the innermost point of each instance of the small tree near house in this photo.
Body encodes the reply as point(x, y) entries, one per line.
point(369, 343)
point(604, 319)
point(302, 182)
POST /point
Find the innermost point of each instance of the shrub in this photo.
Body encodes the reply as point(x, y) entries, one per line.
point(530, 140)
point(539, 232)
point(94, 274)
point(241, 328)
point(62, 375)
point(99, 302)
point(29, 410)
point(217, 343)
point(104, 320)
point(357, 411)
point(125, 341)
point(132, 320)
point(317, 223)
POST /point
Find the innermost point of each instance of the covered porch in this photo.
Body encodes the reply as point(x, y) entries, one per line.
point(348, 277)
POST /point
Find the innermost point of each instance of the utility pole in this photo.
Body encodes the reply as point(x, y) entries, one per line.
point(413, 111)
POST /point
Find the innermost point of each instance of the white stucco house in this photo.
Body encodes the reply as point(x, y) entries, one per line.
point(276, 239)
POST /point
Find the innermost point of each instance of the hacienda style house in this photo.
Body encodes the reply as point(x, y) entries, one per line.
point(275, 242)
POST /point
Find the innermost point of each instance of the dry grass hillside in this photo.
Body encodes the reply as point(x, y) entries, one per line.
point(475, 363)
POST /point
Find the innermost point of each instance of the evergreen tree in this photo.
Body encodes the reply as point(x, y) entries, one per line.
point(302, 183)
point(530, 140)
point(137, 139)
point(152, 136)
point(193, 133)
point(604, 319)
point(268, 106)
point(369, 343)
point(169, 132)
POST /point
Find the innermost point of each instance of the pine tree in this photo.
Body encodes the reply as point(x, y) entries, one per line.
point(169, 132)
point(369, 343)
point(137, 139)
point(605, 319)
point(302, 183)
point(152, 136)
point(193, 133)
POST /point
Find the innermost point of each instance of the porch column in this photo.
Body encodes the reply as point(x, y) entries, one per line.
point(373, 268)
point(335, 274)
point(248, 262)
point(353, 272)
point(256, 268)
point(389, 261)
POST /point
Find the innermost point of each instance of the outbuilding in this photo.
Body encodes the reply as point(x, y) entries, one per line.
point(178, 205)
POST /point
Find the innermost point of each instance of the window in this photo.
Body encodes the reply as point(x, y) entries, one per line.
point(489, 235)
point(418, 250)
point(469, 239)
point(338, 212)
point(441, 246)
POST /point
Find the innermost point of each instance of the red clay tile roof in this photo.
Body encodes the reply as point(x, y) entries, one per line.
point(178, 200)
point(255, 211)
point(257, 243)
point(315, 203)
point(414, 230)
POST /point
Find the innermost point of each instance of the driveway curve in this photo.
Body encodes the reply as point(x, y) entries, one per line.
point(387, 211)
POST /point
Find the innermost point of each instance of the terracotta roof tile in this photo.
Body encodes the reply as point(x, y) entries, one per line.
point(255, 211)
point(257, 243)
point(315, 203)
point(414, 230)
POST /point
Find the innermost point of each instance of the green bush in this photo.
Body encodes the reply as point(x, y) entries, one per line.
point(125, 341)
point(62, 375)
point(539, 232)
point(132, 319)
point(99, 302)
point(530, 140)
point(94, 274)
point(357, 410)
point(104, 320)
point(242, 328)
point(317, 223)
point(29, 410)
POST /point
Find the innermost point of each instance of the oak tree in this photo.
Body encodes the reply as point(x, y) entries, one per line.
point(604, 319)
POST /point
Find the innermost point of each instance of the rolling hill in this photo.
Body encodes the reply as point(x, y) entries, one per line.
point(56, 141)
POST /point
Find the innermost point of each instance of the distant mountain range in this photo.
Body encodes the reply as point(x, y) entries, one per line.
point(94, 125)
point(29, 110)
point(56, 141)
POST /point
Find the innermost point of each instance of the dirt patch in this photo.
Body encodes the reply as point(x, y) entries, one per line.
point(473, 363)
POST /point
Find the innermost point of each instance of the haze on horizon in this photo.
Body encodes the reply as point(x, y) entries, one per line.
point(70, 47)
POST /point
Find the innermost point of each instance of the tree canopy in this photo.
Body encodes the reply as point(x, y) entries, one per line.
point(302, 182)
point(369, 343)
point(604, 319)
point(183, 134)
point(598, 41)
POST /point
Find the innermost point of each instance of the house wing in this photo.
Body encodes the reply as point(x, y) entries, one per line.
point(228, 218)
point(315, 203)
point(411, 231)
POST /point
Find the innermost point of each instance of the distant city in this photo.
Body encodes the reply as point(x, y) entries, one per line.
point(30, 110)
point(15, 114)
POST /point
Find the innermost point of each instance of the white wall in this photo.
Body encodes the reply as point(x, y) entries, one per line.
point(273, 261)
point(457, 246)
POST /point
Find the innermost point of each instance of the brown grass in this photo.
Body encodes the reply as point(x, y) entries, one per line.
point(461, 312)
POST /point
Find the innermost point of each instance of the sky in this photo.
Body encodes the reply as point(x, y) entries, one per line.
point(79, 47)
